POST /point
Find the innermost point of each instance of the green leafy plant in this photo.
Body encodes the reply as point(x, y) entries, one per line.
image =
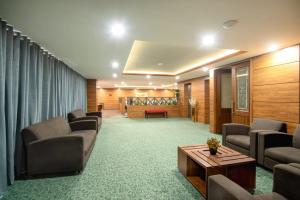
point(213, 145)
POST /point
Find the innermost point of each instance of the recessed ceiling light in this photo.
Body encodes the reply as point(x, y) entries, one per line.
point(230, 23)
point(273, 47)
point(205, 69)
point(123, 83)
point(175, 83)
point(150, 83)
point(160, 64)
point(148, 76)
point(117, 30)
point(115, 64)
point(208, 40)
point(115, 75)
point(177, 77)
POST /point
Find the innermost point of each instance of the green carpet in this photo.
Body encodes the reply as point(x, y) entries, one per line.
point(132, 159)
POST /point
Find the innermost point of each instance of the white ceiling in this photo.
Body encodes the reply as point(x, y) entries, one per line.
point(78, 31)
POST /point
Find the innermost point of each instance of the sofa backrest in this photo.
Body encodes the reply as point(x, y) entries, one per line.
point(46, 129)
point(268, 124)
point(296, 137)
point(76, 114)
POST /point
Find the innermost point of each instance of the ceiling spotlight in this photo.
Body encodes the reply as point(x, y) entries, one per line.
point(160, 64)
point(148, 76)
point(123, 83)
point(115, 64)
point(273, 47)
point(175, 84)
point(150, 83)
point(115, 75)
point(208, 40)
point(230, 23)
point(205, 69)
point(117, 30)
point(177, 77)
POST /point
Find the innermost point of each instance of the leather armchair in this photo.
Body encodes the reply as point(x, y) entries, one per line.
point(275, 148)
point(285, 186)
point(79, 115)
point(243, 138)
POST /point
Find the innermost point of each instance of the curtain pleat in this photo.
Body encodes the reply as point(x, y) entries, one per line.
point(34, 86)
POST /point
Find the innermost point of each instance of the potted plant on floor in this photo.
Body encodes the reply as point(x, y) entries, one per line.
point(213, 145)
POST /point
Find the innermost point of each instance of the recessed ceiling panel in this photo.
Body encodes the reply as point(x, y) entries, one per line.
point(153, 58)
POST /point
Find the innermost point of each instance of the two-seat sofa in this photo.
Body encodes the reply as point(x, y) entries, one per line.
point(54, 146)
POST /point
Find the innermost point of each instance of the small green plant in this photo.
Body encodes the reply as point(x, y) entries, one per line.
point(213, 145)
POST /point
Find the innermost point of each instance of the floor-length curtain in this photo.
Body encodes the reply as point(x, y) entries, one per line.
point(34, 86)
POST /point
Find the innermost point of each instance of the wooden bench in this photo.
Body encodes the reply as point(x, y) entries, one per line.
point(158, 111)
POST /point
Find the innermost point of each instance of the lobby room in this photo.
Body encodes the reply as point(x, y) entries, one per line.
point(149, 100)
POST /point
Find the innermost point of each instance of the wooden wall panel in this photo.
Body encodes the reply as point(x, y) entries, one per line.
point(284, 93)
point(110, 97)
point(91, 95)
point(213, 101)
point(197, 92)
point(139, 111)
point(275, 86)
point(285, 73)
point(288, 55)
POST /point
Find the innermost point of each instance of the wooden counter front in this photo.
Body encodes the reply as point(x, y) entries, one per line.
point(139, 111)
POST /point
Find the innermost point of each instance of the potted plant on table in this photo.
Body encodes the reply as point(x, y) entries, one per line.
point(213, 145)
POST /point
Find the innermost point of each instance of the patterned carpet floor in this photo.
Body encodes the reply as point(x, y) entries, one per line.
point(132, 159)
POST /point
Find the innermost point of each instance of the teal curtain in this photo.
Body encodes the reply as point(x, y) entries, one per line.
point(34, 86)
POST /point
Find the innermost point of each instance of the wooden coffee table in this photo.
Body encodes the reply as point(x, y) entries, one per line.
point(196, 164)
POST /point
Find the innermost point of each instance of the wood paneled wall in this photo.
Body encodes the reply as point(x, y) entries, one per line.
point(275, 86)
point(198, 92)
point(91, 95)
point(110, 97)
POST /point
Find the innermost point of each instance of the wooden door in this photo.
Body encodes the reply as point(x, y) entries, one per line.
point(240, 93)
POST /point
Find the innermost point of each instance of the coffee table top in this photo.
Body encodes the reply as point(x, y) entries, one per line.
point(225, 156)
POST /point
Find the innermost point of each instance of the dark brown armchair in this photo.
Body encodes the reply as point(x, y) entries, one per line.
point(285, 186)
point(243, 138)
point(79, 115)
point(276, 147)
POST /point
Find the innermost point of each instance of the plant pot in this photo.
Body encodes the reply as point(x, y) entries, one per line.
point(213, 151)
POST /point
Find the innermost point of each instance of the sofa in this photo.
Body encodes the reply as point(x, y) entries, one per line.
point(79, 115)
point(275, 148)
point(54, 146)
point(286, 181)
point(243, 138)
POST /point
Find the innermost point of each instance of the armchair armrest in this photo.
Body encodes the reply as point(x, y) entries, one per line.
point(220, 187)
point(86, 118)
point(84, 125)
point(98, 114)
point(268, 139)
point(55, 155)
point(234, 129)
point(287, 181)
point(254, 142)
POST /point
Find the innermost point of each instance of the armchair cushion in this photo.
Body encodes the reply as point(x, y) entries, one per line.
point(97, 114)
point(84, 125)
point(268, 124)
point(240, 140)
point(283, 154)
point(88, 139)
point(76, 114)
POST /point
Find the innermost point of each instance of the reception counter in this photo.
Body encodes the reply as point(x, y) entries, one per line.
point(136, 106)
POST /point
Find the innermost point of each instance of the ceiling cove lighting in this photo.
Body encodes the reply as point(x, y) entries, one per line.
point(117, 30)
point(273, 47)
point(115, 75)
point(148, 76)
point(208, 40)
point(115, 64)
point(205, 69)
